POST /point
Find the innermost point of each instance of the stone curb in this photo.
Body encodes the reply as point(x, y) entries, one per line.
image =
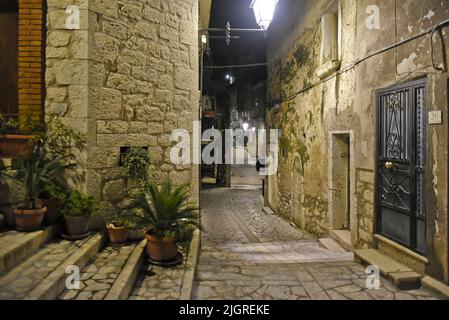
point(191, 267)
point(123, 286)
point(54, 284)
point(14, 253)
point(436, 286)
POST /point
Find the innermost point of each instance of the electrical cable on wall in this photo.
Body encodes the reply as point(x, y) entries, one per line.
point(350, 67)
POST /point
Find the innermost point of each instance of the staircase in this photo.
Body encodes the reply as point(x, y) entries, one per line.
point(33, 266)
point(110, 275)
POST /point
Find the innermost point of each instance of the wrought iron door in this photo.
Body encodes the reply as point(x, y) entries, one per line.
point(401, 207)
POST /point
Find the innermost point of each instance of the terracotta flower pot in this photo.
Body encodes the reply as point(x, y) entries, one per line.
point(29, 220)
point(117, 235)
point(162, 250)
point(16, 146)
point(77, 225)
point(53, 211)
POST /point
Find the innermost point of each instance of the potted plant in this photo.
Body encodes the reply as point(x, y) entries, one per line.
point(118, 229)
point(33, 173)
point(136, 165)
point(12, 143)
point(58, 140)
point(53, 197)
point(166, 213)
point(77, 211)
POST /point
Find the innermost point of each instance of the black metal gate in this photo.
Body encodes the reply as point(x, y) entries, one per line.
point(401, 201)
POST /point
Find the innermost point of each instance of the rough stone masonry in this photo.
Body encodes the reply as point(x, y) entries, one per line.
point(127, 78)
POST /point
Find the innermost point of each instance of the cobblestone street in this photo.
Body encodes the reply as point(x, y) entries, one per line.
point(249, 254)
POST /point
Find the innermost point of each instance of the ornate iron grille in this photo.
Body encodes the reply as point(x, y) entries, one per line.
point(401, 205)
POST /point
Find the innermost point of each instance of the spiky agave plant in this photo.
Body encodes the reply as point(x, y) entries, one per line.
point(36, 172)
point(164, 210)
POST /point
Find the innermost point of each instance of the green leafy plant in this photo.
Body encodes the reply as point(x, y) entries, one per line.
point(79, 204)
point(122, 220)
point(52, 191)
point(2, 171)
point(35, 172)
point(165, 211)
point(8, 125)
point(56, 137)
point(137, 163)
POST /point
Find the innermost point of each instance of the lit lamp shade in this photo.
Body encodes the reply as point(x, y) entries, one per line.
point(264, 12)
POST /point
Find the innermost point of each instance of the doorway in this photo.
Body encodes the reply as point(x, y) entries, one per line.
point(340, 181)
point(8, 58)
point(401, 164)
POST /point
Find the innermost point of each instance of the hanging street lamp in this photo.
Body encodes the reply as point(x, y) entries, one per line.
point(264, 12)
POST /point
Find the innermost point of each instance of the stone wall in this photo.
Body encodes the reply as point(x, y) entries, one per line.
point(311, 108)
point(127, 78)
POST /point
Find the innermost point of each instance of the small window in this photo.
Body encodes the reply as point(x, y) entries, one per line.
point(330, 55)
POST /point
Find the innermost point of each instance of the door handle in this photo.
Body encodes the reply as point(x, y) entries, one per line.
point(389, 165)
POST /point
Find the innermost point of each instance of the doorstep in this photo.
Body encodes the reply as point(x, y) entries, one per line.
point(436, 286)
point(401, 254)
point(402, 276)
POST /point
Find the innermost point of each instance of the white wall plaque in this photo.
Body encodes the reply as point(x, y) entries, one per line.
point(435, 117)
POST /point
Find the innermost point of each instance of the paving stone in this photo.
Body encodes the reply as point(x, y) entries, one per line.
point(335, 295)
point(17, 283)
point(84, 295)
point(358, 295)
point(100, 295)
point(278, 292)
point(348, 289)
point(97, 286)
point(249, 254)
point(69, 295)
point(99, 276)
point(86, 275)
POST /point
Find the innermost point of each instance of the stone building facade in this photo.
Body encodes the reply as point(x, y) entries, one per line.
point(336, 68)
point(125, 77)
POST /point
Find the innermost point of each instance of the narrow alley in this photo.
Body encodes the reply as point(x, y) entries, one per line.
point(230, 150)
point(247, 253)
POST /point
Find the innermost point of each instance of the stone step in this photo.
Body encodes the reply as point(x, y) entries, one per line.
point(331, 245)
point(272, 253)
point(343, 238)
point(42, 276)
point(402, 276)
point(110, 275)
point(17, 246)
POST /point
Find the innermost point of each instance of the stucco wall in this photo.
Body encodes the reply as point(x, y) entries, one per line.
point(312, 108)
